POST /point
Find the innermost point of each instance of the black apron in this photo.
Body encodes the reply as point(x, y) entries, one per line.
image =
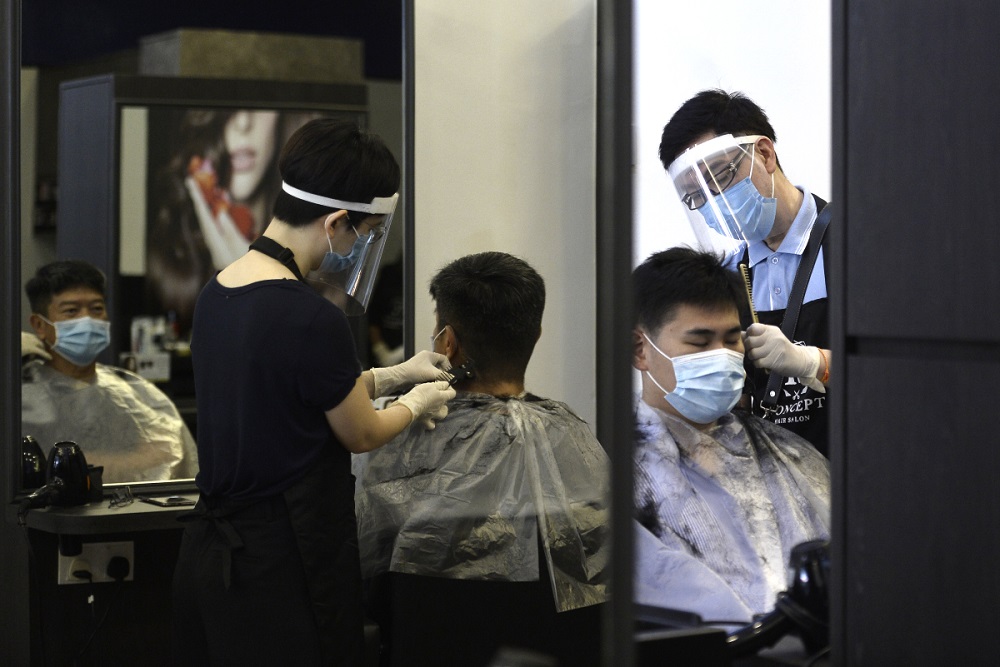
point(279, 577)
point(799, 409)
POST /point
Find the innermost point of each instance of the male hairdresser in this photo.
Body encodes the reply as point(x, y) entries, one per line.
point(719, 151)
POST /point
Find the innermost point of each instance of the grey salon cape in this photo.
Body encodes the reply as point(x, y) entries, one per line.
point(468, 499)
point(719, 511)
point(119, 419)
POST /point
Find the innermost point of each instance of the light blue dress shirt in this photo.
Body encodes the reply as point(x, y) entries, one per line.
point(774, 270)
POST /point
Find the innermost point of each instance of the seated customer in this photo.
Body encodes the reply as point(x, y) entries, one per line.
point(722, 496)
point(507, 470)
point(120, 420)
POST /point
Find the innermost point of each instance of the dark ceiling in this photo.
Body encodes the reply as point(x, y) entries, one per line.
point(61, 32)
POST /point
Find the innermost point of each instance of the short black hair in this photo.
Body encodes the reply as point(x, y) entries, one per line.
point(332, 157)
point(712, 111)
point(494, 303)
point(682, 276)
point(57, 277)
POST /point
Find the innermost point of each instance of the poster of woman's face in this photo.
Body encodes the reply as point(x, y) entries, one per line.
point(213, 176)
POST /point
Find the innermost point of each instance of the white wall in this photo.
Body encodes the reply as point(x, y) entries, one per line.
point(504, 160)
point(775, 51)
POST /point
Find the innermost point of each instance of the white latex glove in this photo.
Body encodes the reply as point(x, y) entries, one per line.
point(424, 366)
point(428, 402)
point(224, 240)
point(32, 345)
point(768, 348)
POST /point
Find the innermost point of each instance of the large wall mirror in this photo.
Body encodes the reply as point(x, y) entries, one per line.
point(776, 53)
point(353, 63)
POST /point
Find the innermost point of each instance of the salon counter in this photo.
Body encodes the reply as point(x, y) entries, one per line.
point(98, 518)
point(136, 614)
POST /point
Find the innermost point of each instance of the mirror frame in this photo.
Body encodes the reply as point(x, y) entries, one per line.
point(409, 236)
point(615, 411)
point(14, 571)
point(10, 261)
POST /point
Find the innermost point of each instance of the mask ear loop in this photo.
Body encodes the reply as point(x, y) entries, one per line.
point(650, 376)
point(51, 324)
point(751, 170)
point(665, 356)
point(329, 241)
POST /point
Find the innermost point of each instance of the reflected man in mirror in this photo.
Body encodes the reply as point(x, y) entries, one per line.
point(120, 420)
point(721, 496)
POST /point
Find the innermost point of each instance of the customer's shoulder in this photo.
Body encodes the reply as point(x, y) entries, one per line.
point(783, 438)
point(129, 383)
point(554, 407)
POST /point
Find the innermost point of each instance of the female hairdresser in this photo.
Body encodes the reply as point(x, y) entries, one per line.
point(268, 571)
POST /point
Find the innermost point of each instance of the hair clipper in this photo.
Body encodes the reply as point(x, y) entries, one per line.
point(466, 371)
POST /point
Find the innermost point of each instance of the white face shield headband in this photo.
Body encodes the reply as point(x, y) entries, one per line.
point(350, 286)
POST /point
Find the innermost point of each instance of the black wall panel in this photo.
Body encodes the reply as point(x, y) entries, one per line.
point(923, 512)
point(915, 300)
point(922, 144)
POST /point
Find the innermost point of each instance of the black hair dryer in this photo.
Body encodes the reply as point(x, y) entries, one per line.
point(803, 609)
point(68, 464)
point(33, 468)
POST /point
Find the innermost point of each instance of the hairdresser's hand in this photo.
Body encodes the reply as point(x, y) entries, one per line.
point(424, 366)
point(224, 240)
point(427, 402)
point(32, 346)
point(768, 348)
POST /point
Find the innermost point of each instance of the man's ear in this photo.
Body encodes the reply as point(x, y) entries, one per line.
point(768, 155)
point(452, 348)
point(639, 351)
point(37, 325)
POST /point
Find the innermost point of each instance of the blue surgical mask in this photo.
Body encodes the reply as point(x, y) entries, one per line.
point(334, 262)
point(79, 341)
point(744, 208)
point(709, 384)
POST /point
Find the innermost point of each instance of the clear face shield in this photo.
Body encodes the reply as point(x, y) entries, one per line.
point(349, 282)
point(714, 182)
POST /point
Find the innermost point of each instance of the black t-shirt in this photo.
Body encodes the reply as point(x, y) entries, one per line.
point(269, 360)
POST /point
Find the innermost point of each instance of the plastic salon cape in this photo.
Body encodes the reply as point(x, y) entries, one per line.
point(725, 507)
point(119, 419)
point(468, 499)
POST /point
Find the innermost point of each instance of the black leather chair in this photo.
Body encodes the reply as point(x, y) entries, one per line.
point(454, 622)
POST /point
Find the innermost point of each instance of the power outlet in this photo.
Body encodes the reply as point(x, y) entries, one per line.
point(96, 555)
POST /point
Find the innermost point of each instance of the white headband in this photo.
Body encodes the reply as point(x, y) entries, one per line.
point(693, 155)
point(378, 205)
